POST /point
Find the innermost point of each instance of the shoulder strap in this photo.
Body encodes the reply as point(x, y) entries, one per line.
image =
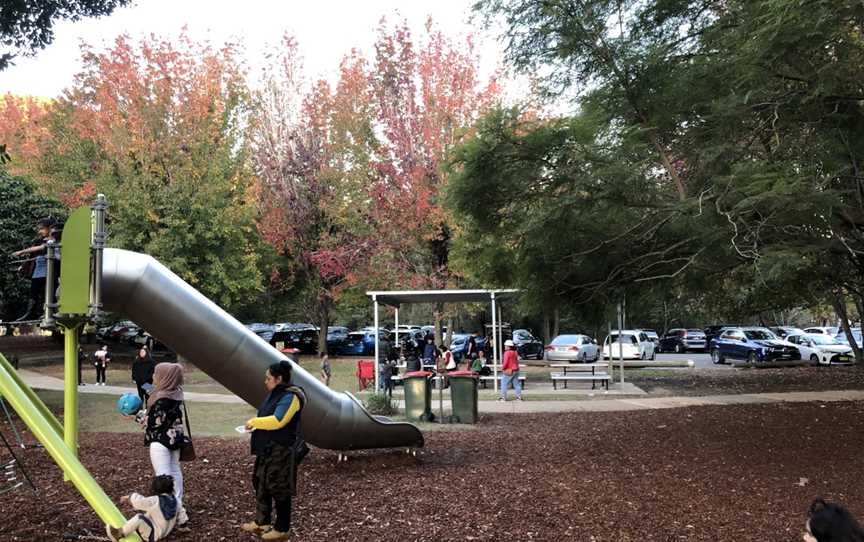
point(186, 417)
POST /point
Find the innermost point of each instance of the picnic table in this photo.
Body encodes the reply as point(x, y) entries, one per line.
point(578, 372)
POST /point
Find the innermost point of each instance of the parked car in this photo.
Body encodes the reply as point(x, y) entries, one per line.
point(265, 331)
point(821, 349)
point(116, 330)
point(629, 344)
point(303, 337)
point(683, 340)
point(459, 345)
point(753, 344)
point(829, 330)
point(359, 343)
point(714, 331)
point(785, 331)
point(430, 330)
point(527, 345)
point(652, 336)
point(336, 337)
point(856, 334)
point(572, 348)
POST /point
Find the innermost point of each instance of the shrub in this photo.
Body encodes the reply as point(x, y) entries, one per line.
point(380, 404)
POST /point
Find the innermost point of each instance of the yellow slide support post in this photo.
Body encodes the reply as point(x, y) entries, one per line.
point(32, 413)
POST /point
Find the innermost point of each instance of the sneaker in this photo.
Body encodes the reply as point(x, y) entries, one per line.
point(273, 534)
point(519, 399)
point(113, 533)
point(251, 527)
point(501, 399)
point(182, 517)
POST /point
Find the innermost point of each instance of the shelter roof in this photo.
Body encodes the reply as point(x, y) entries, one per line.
point(407, 297)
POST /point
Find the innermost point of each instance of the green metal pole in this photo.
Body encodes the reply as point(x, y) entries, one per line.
point(70, 387)
point(13, 375)
point(57, 449)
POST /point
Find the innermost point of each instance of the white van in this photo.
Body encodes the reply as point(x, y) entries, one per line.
point(629, 344)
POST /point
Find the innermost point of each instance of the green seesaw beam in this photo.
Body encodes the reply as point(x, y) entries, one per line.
point(33, 411)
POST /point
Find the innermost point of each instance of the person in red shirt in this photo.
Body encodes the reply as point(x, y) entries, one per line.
point(510, 371)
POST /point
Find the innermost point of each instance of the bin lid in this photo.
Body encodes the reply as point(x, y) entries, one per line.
point(417, 374)
point(463, 372)
point(290, 350)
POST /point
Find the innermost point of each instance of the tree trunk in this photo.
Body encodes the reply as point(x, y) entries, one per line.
point(323, 324)
point(449, 335)
point(437, 314)
point(839, 302)
point(556, 323)
point(546, 338)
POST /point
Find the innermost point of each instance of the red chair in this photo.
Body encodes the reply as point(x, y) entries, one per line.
point(365, 373)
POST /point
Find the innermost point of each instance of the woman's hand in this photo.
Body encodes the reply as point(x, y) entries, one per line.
point(249, 426)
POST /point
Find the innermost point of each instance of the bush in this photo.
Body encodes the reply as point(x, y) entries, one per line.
point(380, 404)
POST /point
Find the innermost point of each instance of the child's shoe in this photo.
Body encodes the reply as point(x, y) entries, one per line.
point(182, 517)
point(273, 534)
point(251, 527)
point(114, 534)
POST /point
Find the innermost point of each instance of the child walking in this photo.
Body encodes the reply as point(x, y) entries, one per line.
point(157, 513)
point(101, 358)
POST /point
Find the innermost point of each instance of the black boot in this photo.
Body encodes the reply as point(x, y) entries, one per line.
point(31, 304)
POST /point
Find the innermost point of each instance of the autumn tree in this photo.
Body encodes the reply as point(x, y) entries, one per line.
point(23, 131)
point(159, 126)
point(312, 146)
point(428, 95)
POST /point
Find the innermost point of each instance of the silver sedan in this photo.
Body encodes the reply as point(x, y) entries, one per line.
point(572, 348)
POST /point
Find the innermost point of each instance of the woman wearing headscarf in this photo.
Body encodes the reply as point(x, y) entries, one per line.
point(275, 431)
point(164, 432)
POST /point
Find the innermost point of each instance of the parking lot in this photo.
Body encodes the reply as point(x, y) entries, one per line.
point(701, 359)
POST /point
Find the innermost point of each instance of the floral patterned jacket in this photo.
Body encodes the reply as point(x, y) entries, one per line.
point(165, 424)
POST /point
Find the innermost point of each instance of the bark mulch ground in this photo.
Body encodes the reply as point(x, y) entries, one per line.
point(723, 381)
point(725, 473)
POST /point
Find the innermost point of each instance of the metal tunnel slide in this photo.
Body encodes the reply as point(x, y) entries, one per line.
point(151, 295)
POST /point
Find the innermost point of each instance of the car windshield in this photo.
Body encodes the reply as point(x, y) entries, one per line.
point(823, 339)
point(566, 339)
point(627, 339)
point(522, 335)
point(759, 334)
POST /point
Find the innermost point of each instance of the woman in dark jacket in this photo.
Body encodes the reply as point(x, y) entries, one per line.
point(275, 432)
point(164, 433)
point(142, 372)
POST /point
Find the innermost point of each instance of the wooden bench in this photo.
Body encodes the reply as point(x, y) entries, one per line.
point(485, 379)
point(603, 378)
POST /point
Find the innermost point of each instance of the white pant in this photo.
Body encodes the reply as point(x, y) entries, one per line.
point(167, 461)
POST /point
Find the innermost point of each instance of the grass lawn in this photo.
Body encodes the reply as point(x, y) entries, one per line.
point(97, 412)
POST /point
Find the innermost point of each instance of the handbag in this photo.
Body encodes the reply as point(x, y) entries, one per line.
point(187, 449)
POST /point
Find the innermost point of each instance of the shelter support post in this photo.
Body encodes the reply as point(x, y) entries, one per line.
point(70, 386)
point(396, 336)
point(495, 351)
point(377, 333)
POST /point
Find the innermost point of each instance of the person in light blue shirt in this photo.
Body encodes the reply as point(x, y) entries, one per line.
point(39, 264)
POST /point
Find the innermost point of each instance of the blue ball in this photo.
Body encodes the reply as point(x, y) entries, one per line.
point(128, 404)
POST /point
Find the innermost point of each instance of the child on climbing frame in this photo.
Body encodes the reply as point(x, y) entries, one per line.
point(157, 513)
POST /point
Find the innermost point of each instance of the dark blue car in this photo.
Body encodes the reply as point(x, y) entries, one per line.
point(459, 345)
point(752, 344)
point(336, 337)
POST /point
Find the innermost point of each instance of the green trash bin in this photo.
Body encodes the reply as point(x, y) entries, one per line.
point(418, 396)
point(463, 396)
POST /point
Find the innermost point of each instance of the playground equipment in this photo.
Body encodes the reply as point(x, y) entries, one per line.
point(95, 278)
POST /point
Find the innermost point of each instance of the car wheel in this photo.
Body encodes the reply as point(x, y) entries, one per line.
point(815, 359)
point(716, 357)
point(752, 359)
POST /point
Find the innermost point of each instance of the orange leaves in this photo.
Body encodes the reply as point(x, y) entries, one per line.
point(23, 130)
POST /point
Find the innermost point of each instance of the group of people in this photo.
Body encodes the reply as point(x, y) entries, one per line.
point(275, 443)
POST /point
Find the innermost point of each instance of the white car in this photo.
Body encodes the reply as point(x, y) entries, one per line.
point(830, 331)
point(628, 344)
point(822, 349)
point(572, 348)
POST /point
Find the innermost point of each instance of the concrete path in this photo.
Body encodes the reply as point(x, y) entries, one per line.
point(43, 382)
point(39, 381)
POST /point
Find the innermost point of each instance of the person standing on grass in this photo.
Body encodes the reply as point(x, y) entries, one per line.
point(164, 430)
point(82, 359)
point(142, 372)
point(510, 371)
point(278, 449)
point(326, 369)
point(101, 359)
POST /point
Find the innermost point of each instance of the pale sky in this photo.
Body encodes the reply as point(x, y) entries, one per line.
point(325, 29)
